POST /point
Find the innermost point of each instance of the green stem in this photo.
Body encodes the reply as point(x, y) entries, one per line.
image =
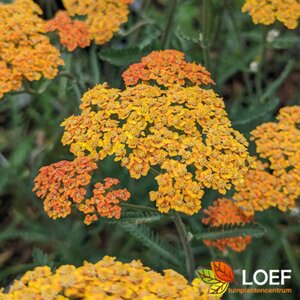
point(63, 83)
point(278, 82)
point(166, 38)
point(259, 73)
point(291, 258)
point(218, 26)
point(241, 49)
point(190, 263)
point(94, 64)
point(204, 28)
point(137, 207)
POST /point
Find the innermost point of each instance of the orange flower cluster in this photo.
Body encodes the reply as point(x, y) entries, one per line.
point(277, 183)
point(72, 34)
point(267, 11)
point(226, 212)
point(103, 17)
point(166, 68)
point(183, 131)
point(105, 280)
point(25, 52)
point(63, 184)
point(105, 201)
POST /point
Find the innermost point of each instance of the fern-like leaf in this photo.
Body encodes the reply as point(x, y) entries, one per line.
point(40, 258)
point(253, 230)
point(158, 244)
point(136, 217)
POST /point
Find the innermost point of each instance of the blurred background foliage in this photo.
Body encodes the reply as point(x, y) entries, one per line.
point(254, 71)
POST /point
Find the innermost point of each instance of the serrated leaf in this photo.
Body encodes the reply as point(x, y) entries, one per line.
point(253, 116)
point(146, 236)
point(218, 288)
point(222, 270)
point(284, 42)
point(207, 276)
point(253, 230)
point(135, 217)
point(40, 257)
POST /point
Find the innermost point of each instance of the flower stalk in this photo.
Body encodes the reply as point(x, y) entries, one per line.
point(190, 263)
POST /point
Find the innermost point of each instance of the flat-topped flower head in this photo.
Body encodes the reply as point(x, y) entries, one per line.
point(103, 17)
point(182, 132)
point(268, 11)
point(106, 279)
point(166, 68)
point(62, 185)
point(72, 33)
point(277, 183)
point(25, 51)
point(225, 212)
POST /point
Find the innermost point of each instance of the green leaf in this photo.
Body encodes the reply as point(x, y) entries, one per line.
point(218, 288)
point(253, 116)
point(285, 42)
point(158, 244)
point(253, 230)
point(207, 276)
point(124, 57)
point(40, 258)
point(136, 217)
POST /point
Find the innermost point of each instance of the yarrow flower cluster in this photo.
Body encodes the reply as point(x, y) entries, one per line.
point(267, 11)
point(106, 279)
point(225, 212)
point(63, 184)
point(166, 68)
point(72, 34)
point(276, 183)
point(25, 51)
point(103, 17)
point(181, 131)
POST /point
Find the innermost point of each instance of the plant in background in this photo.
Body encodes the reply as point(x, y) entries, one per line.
point(72, 33)
point(103, 17)
point(276, 183)
point(107, 279)
point(25, 51)
point(268, 11)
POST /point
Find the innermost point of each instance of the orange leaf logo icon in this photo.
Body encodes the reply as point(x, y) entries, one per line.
point(222, 270)
point(218, 277)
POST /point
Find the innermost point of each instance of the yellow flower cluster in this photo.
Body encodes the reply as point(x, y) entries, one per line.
point(183, 131)
point(25, 52)
point(267, 11)
point(226, 212)
point(276, 183)
point(107, 279)
point(103, 17)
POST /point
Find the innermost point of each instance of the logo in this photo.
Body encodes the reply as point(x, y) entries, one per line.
point(218, 277)
point(221, 274)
